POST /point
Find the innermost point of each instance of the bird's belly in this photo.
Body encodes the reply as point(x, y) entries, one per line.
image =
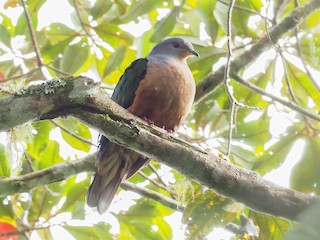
point(165, 96)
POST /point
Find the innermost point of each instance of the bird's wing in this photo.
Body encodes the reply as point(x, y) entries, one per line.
point(124, 92)
point(111, 157)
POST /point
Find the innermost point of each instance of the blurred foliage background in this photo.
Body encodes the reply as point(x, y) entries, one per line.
point(99, 39)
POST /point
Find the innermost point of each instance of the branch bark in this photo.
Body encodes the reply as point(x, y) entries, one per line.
point(59, 172)
point(212, 81)
point(83, 98)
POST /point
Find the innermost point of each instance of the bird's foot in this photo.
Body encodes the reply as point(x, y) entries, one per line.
point(169, 130)
point(149, 121)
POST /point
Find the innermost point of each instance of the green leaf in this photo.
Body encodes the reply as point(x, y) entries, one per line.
point(58, 32)
point(74, 57)
point(6, 209)
point(90, 233)
point(305, 175)
point(42, 129)
point(34, 5)
point(5, 36)
point(115, 60)
point(165, 26)
point(100, 7)
point(138, 8)
point(43, 151)
point(113, 35)
point(42, 204)
point(204, 10)
point(221, 15)
point(103, 231)
point(204, 213)
point(274, 156)
point(75, 128)
point(270, 227)
point(45, 234)
point(253, 133)
point(302, 87)
point(201, 66)
point(22, 26)
point(140, 219)
point(4, 165)
point(75, 193)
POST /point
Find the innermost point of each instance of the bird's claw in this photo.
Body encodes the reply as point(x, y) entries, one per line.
point(148, 121)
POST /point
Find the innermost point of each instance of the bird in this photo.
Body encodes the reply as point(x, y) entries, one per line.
point(159, 89)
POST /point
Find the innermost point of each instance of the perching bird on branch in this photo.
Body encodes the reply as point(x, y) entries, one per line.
point(159, 89)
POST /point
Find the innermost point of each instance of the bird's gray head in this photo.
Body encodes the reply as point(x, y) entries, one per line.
point(177, 47)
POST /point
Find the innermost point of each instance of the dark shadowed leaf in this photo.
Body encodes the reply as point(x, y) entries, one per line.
point(308, 227)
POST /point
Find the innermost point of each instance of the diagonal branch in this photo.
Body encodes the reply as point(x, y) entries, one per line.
point(82, 98)
point(59, 172)
point(212, 81)
point(291, 105)
point(166, 201)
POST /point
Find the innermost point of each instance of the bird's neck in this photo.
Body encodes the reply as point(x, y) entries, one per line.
point(164, 58)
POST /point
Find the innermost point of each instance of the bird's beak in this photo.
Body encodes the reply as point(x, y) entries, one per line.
point(193, 52)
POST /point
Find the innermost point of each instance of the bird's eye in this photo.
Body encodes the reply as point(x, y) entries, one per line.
point(175, 45)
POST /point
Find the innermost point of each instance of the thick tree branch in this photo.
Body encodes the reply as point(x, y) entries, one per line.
point(82, 98)
point(59, 172)
point(212, 81)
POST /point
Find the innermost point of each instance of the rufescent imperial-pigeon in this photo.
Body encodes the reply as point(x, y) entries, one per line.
point(160, 89)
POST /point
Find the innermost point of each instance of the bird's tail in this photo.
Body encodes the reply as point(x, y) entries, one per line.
point(104, 187)
point(116, 165)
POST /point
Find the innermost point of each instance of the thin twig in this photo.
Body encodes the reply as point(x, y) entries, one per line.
point(83, 24)
point(72, 134)
point(32, 34)
point(152, 181)
point(232, 100)
point(287, 78)
point(154, 170)
point(213, 80)
point(29, 161)
point(290, 105)
point(246, 10)
point(148, 193)
point(277, 48)
point(57, 70)
point(172, 194)
point(20, 76)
